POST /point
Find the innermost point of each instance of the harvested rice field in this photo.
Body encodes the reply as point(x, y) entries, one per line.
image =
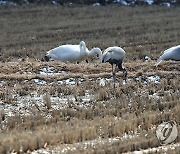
point(56, 107)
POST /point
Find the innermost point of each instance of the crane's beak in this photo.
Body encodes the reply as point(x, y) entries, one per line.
point(46, 58)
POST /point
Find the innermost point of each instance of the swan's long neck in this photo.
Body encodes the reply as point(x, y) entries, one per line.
point(83, 48)
point(96, 51)
point(85, 52)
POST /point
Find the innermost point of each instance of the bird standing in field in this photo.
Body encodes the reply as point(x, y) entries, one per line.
point(115, 55)
point(172, 53)
point(72, 53)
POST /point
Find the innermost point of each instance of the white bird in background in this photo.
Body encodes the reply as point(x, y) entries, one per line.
point(115, 55)
point(72, 53)
point(172, 53)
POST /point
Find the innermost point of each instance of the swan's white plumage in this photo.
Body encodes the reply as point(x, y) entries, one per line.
point(172, 53)
point(73, 53)
point(66, 53)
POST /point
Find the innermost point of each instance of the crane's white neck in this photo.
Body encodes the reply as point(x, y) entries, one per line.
point(96, 51)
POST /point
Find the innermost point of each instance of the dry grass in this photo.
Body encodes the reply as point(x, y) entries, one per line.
point(86, 114)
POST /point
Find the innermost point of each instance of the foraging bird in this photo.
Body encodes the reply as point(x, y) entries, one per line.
point(172, 53)
point(72, 53)
point(115, 55)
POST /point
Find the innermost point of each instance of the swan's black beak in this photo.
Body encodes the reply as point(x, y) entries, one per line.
point(46, 58)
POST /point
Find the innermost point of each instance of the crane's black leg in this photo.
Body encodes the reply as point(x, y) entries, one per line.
point(125, 75)
point(114, 76)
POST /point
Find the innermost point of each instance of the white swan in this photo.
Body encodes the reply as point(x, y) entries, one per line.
point(115, 55)
point(172, 53)
point(72, 53)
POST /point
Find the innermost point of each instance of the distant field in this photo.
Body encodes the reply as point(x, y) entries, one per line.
point(55, 107)
point(140, 30)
